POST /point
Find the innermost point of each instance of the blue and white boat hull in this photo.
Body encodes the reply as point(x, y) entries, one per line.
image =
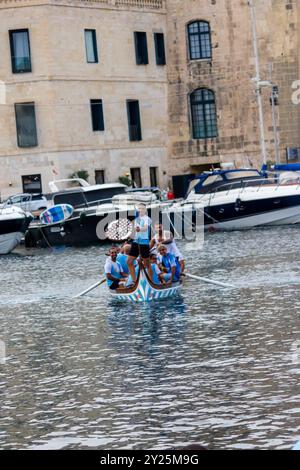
point(146, 291)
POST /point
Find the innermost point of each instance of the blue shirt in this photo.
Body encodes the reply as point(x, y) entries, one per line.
point(143, 238)
point(155, 273)
point(169, 261)
point(122, 260)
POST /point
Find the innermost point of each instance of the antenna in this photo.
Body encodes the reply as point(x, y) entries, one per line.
point(258, 82)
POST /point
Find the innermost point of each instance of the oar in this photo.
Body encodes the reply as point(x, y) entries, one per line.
point(209, 281)
point(90, 288)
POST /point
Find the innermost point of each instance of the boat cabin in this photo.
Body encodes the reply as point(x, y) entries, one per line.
point(78, 193)
point(223, 180)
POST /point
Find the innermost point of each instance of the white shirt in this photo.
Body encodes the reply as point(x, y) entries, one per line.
point(111, 267)
point(171, 247)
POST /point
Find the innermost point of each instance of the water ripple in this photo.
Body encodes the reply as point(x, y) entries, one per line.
point(217, 367)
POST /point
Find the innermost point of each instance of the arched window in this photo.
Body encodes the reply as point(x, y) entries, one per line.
point(203, 112)
point(199, 40)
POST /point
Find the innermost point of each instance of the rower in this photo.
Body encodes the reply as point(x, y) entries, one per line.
point(168, 264)
point(113, 271)
point(157, 275)
point(122, 257)
point(141, 240)
point(166, 238)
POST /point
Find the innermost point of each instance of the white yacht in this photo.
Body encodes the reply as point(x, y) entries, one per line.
point(240, 199)
point(13, 225)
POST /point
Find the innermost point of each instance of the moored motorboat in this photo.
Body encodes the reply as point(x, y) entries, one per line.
point(13, 225)
point(144, 290)
point(238, 199)
point(95, 206)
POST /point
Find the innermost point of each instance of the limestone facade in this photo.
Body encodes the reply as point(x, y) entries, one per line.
point(228, 74)
point(62, 83)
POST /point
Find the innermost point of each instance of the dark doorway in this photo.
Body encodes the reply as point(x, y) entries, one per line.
point(99, 176)
point(153, 176)
point(134, 120)
point(136, 177)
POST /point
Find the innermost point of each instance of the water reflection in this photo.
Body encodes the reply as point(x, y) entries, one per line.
point(215, 366)
point(145, 329)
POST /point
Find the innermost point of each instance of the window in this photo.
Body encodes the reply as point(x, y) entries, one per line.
point(153, 176)
point(91, 46)
point(136, 177)
point(20, 51)
point(32, 184)
point(99, 176)
point(97, 115)
point(141, 48)
point(212, 179)
point(203, 111)
point(26, 125)
point(134, 121)
point(79, 198)
point(159, 42)
point(242, 174)
point(199, 37)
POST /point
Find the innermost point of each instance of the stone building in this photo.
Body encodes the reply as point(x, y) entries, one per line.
point(150, 88)
point(83, 85)
point(213, 112)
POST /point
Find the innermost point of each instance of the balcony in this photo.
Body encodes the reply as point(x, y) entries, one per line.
point(146, 4)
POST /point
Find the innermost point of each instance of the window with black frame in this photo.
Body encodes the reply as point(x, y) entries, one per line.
point(97, 115)
point(20, 50)
point(141, 48)
point(199, 37)
point(134, 120)
point(26, 124)
point(32, 183)
point(91, 46)
point(160, 53)
point(203, 113)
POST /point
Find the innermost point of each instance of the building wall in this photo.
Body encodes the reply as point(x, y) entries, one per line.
point(62, 83)
point(229, 74)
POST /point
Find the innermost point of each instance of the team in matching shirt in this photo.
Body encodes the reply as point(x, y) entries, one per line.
point(160, 256)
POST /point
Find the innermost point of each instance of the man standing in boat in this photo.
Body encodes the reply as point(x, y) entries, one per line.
point(141, 242)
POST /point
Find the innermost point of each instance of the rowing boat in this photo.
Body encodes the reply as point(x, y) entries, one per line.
point(144, 290)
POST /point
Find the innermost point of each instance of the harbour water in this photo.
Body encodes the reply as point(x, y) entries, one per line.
point(218, 367)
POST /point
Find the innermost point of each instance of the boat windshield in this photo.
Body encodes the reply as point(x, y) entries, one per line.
point(74, 198)
point(242, 174)
point(212, 179)
point(192, 185)
point(81, 198)
point(104, 195)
